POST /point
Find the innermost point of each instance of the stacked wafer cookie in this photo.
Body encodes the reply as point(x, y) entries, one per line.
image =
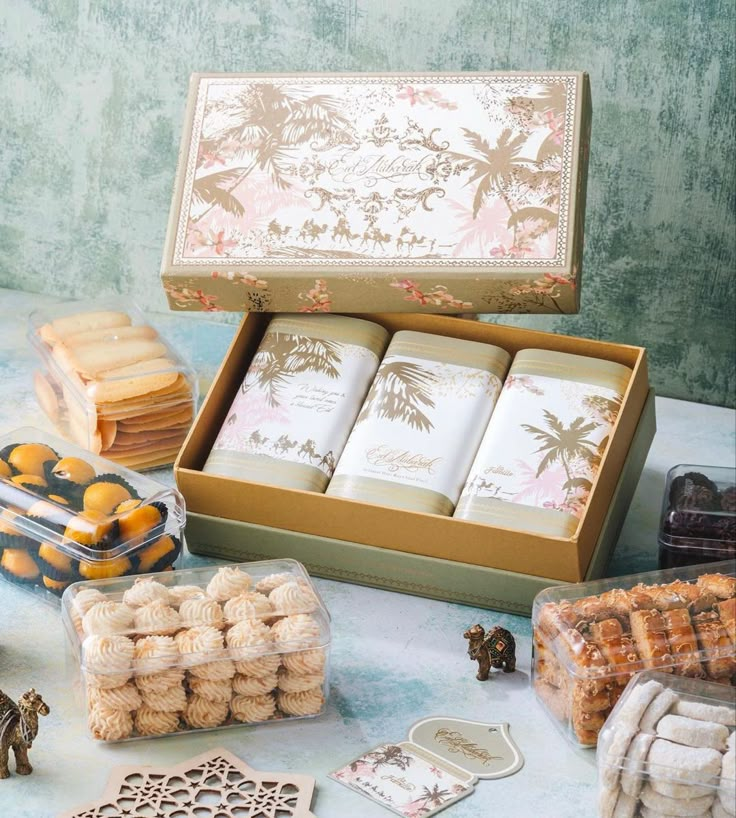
point(586, 650)
point(113, 386)
point(668, 751)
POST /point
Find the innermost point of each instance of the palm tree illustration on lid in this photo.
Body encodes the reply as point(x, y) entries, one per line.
point(563, 445)
point(265, 125)
point(497, 169)
point(282, 355)
point(398, 392)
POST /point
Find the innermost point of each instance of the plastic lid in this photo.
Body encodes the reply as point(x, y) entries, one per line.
point(241, 613)
point(699, 509)
point(60, 502)
point(712, 705)
point(106, 351)
point(612, 628)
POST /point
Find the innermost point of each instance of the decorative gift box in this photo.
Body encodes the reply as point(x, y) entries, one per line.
point(66, 515)
point(198, 649)
point(591, 638)
point(394, 192)
point(336, 518)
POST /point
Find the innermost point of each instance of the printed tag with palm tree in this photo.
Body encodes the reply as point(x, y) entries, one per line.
point(440, 764)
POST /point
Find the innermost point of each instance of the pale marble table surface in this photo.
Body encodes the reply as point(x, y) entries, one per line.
point(395, 658)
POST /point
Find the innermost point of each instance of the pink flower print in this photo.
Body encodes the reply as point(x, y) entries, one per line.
point(436, 771)
point(559, 280)
point(252, 281)
point(437, 297)
point(556, 125)
point(209, 159)
point(426, 96)
point(220, 243)
point(408, 92)
point(319, 296)
point(500, 251)
point(458, 788)
point(184, 296)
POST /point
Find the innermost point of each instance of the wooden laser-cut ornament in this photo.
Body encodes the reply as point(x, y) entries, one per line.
point(215, 784)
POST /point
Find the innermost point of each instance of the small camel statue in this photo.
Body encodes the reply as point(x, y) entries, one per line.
point(496, 648)
point(18, 728)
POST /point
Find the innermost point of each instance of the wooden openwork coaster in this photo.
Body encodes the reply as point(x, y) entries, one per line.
point(215, 784)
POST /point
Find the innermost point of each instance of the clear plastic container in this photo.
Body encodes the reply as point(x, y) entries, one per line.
point(668, 749)
point(110, 383)
point(66, 515)
point(198, 649)
point(698, 522)
point(589, 639)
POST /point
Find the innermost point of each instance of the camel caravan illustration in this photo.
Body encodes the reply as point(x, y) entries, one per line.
point(262, 444)
point(371, 239)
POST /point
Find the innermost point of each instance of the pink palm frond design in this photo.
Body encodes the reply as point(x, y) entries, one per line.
point(538, 490)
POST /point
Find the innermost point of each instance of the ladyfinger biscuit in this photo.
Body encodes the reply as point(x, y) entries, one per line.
point(92, 361)
point(180, 386)
point(720, 585)
point(101, 336)
point(664, 805)
point(693, 732)
point(130, 381)
point(61, 328)
point(632, 773)
point(683, 643)
point(46, 396)
point(714, 642)
point(648, 632)
point(705, 712)
point(658, 708)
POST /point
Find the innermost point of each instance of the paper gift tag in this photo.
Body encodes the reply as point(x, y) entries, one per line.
point(440, 764)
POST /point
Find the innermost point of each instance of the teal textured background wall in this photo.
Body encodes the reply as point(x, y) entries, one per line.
point(92, 99)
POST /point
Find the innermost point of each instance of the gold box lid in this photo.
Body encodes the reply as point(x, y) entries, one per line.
point(391, 192)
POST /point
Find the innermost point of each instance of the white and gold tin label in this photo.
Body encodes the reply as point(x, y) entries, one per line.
point(419, 428)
